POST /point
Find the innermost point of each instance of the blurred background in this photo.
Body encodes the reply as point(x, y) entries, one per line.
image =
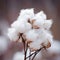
point(9, 11)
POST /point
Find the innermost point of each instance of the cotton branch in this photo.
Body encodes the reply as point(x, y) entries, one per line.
point(35, 29)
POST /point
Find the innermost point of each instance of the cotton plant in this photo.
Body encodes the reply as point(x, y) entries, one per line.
point(33, 30)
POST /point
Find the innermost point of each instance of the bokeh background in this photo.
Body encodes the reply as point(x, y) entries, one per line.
point(9, 11)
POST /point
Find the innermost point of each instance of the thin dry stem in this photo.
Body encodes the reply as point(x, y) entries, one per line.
point(30, 54)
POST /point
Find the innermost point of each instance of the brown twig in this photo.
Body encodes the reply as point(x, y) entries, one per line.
point(24, 48)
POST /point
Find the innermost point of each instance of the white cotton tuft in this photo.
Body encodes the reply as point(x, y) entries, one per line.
point(18, 56)
point(24, 27)
point(21, 26)
point(39, 19)
point(47, 24)
point(43, 34)
point(38, 23)
point(27, 13)
point(40, 15)
point(31, 35)
point(28, 27)
point(13, 34)
point(35, 45)
point(46, 38)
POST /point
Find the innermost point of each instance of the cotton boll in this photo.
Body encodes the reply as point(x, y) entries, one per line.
point(44, 39)
point(45, 36)
point(35, 45)
point(47, 24)
point(18, 56)
point(47, 40)
point(39, 19)
point(21, 27)
point(13, 34)
point(40, 16)
point(31, 35)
